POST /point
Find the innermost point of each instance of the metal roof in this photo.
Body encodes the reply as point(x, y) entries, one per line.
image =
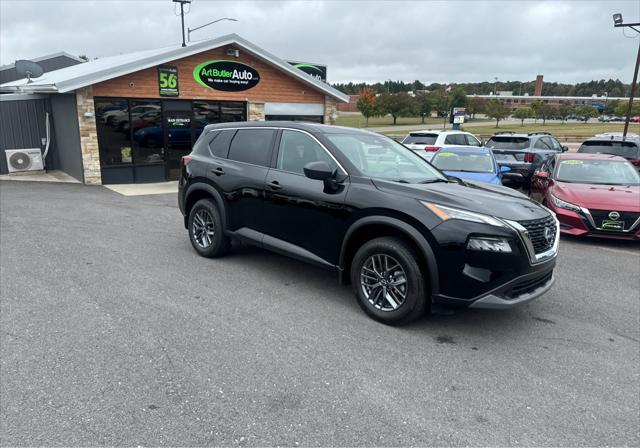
point(44, 58)
point(98, 70)
point(551, 97)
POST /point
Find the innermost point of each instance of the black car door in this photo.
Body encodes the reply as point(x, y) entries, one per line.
point(302, 215)
point(239, 170)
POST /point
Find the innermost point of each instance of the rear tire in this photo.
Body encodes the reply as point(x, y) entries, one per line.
point(388, 282)
point(206, 230)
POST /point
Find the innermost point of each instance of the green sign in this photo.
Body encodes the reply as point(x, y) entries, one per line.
point(228, 76)
point(168, 80)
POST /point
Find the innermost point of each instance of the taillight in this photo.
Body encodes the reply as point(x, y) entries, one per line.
point(186, 159)
point(529, 157)
point(635, 162)
point(431, 148)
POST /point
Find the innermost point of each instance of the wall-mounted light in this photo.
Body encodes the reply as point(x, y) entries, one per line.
point(617, 19)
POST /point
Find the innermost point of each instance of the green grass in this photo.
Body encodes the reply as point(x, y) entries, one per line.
point(358, 121)
point(568, 129)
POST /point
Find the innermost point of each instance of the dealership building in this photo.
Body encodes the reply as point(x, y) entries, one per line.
point(130, 118)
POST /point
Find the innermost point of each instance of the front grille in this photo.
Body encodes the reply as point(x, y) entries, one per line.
point(542, 233)
point(529, 285)
point(628, 218)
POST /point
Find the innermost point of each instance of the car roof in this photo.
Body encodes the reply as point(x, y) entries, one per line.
point(613, 136)
point(586, 156)
point(467, 149)
point(300, 125)
point(437, 131)
point(522, 134)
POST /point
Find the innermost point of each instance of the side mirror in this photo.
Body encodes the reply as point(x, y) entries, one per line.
point(318, 170)
point(565, 149)
point(504, 169)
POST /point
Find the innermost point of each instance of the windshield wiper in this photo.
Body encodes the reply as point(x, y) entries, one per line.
point(432, 181)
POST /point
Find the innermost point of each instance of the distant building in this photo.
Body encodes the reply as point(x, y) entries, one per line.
point(351, 106)
point(516, 101)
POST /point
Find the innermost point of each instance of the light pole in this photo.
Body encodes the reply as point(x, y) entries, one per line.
point(182, 2)
point(191, 30)
point(617, 23)
point(495, 87)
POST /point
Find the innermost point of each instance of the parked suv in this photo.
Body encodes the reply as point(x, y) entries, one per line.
point(613, 143)
point(403, 234)
point(426, 143)
point(523, 153)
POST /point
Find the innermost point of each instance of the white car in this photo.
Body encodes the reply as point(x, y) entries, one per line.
point(426, 143)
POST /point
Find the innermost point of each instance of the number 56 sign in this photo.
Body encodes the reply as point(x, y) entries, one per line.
point(168, 81)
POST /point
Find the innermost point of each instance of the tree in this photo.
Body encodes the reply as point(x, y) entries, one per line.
point(586, 111)
point(458, 97)
point(522, 113)
point(367, 103)
point(475, 106)
point(545, 111)
point(564, 110)
point(621, 109)
point(395, 104)
point(611, 107)
point(497, 110)
point(422, 105)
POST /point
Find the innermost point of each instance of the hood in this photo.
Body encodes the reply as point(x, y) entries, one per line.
point(604, 197)
point(491, 178)
point(489, 199)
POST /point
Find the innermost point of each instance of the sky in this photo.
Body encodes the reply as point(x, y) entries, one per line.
point(431, 41)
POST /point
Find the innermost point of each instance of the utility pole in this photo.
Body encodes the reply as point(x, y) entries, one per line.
point(617, 23)
point(182, 2)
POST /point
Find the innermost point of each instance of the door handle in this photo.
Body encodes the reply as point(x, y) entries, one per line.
point(218, 171)
point(274, 185)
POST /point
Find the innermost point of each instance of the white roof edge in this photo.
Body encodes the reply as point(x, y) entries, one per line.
point(42, 58)
point(171, 54)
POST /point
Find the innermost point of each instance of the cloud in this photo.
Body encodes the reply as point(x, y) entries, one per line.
point(567, 41)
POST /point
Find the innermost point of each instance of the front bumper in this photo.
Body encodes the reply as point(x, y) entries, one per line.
point(481, 279)
point(582, 224)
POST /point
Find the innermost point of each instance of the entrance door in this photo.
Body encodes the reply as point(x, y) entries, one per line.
point(177, 128)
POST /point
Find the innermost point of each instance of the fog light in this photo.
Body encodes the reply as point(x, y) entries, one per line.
point(489, 244)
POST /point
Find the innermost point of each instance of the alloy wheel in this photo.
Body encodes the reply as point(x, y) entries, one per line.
point(203, 228)
point(383, 282)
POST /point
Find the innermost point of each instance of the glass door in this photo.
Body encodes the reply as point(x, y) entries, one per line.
point(178, 140)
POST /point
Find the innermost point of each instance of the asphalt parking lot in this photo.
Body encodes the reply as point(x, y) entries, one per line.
point(114, 332)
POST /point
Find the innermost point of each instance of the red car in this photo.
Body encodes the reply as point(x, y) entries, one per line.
point(591, 194)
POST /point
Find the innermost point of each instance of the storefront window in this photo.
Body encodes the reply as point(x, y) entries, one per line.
point(146, 128)
point(232, 112)
point(112, 123)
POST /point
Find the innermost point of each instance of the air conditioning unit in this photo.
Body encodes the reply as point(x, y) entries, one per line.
point(29, 159)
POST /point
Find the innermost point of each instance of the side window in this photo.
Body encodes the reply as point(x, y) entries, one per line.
point(219, 146)
point(472, 141)
point(297, 149)
point(455, 139)
point(252, 146)
point(541, 144)
point(555, 144)
point(551, 163)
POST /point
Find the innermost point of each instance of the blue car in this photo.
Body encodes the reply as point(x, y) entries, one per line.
point(470, 163)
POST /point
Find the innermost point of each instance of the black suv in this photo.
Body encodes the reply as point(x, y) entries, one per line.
point(406, 237)
point(523, 153)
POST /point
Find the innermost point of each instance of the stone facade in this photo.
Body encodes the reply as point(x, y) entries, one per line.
point(256, 112)
point(88, 136)
point(330, 110)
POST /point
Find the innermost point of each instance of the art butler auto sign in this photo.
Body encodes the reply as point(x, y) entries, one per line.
point(228, 76)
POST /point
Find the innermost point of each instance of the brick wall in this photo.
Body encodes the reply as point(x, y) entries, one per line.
point(274, 85)
point(88, 136)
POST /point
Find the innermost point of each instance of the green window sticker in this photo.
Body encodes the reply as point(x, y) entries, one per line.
point(445, 154)
point(571, 162)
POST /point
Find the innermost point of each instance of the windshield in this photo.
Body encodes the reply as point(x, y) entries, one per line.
point(420, 139)
point(463, 161)
point(383, 158)
point(597, 172)
point(628, 150)
point(508, 143)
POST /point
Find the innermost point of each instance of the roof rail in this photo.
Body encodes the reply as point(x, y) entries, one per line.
point(539, 133)
point(504, 132)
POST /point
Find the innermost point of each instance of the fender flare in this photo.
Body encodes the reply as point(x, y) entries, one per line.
point(410, 231)
point(215, 194)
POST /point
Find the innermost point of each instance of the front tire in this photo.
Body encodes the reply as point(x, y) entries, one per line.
point(388, 282)
point(206, 231)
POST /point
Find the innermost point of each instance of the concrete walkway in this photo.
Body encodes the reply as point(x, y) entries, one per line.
point(144, 189)
point(40, 176)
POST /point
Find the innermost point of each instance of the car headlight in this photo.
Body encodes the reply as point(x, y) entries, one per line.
point(489, 244)
point(445, 213)
point(564, 204)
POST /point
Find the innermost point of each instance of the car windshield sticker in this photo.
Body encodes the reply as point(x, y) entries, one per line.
point(446, 154)
point(572, 162)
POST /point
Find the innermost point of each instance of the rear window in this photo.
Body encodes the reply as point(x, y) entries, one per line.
point(456, 139)
point(252, 146)
point(420, 139)
point(508, 143)
point(628, 150)
point(219, 146)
